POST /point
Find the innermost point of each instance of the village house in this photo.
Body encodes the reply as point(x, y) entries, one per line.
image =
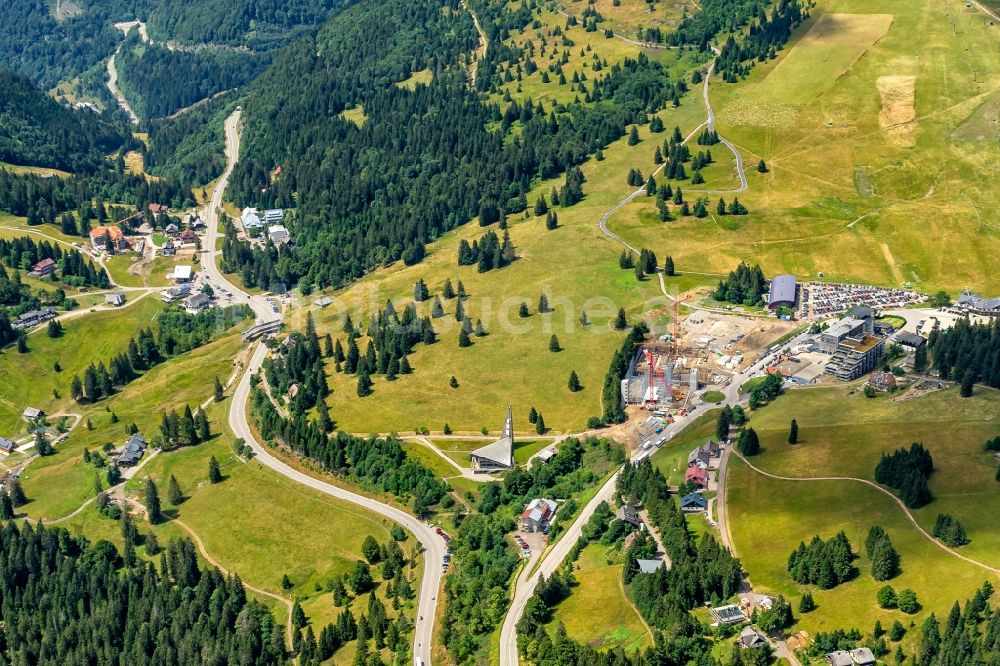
point(697, 476)
point(751, 639)
point(157, 208)
point(650, 566)
point(196, 303)
point(102, 237)
point(132, 451)
point(627, 513)
point(117, 299)
point(882, 381)
point(32, 413)
point(538, 515)
point(171, 229)
point(188, 236)
point(693, 503)
point(43, 268)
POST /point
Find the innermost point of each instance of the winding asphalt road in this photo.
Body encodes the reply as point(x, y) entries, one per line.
point(433, 545)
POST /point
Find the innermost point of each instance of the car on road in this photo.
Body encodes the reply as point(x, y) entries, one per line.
point(647, 444)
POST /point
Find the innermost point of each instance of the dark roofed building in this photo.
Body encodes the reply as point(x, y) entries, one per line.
point(911, 340)
point(6, 444)
point(783, 292)
point(628, 514)
point(43, 268)
point(693, 502)
point(132, 451)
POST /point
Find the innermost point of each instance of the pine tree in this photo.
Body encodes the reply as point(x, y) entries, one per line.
point(453, 382)
point(748, 443)
point(806, 603)
point(540, 424)
point(522, 310)
point(574, 381)
point(17, 496)
point(968, 380)
point(620, 322)
point(668, 267)
point(218, 396)
point(328, 346)
point(633, 136)
point(532, 416)
point(364, 380)
point(174, 494)
point(214, 471)
point(793, 433)
point(543, 303)
point(761, 167)
point(153, 510)
point(463, 338)
point(554, 344)
point(640, 275)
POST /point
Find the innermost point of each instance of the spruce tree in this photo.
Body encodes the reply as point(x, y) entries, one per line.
point(793, 433)
point(540, 424)
point(218, 394)
point(633, 136)
point(453, 382)
point(532, 416)
point(761, 167)
point(574, 381)
point(522, 310)
point(668, 267)
point(17, 496)
point(214, 471)
point(620, 322)
point(174, 494)
point(554, 344)
point(463, 339)
point(153, 510)
point(6, 506)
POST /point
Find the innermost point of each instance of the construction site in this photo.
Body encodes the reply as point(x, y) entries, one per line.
point(702, 351)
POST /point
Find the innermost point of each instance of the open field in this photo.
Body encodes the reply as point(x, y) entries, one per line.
point(872, 138)
point(629, 16)
point(34, 170)
point(28, 379)
point(548, 261)
point(59, 483)
point(152, 274)
point(769, 518)
point(307, 535)
point(845, 435)
point(11, 226)
point(597, 612)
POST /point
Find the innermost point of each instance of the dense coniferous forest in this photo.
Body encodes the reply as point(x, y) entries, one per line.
point(907, 471)
point(824, 564)
point(256, 25)
point(67, 601)
point(969, 635)
point(374, 463)
point(702, 569)
point(764, 38)
point(159, 81)
point(968, 349)
point(189, 148)
point(43, 200)
point(35, 44)
point(71, 267)
point(744, 286)
point(392, 188)
point(35, 130)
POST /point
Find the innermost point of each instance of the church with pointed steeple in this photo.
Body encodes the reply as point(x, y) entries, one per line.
point(498, 456)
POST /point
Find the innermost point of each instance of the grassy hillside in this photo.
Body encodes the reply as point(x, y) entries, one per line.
point(875, 142)
point(845, 435)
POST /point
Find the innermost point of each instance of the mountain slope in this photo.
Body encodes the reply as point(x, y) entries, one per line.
point(36, 131)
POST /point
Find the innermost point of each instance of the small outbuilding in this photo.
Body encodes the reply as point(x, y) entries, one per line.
point(649, 566)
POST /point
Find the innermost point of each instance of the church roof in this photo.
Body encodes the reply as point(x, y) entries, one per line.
point(500, 451)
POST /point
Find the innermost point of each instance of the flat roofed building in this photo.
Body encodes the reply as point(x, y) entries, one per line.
point(181, 274)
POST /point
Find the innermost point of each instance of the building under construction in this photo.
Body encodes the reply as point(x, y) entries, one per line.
point(659, 380)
